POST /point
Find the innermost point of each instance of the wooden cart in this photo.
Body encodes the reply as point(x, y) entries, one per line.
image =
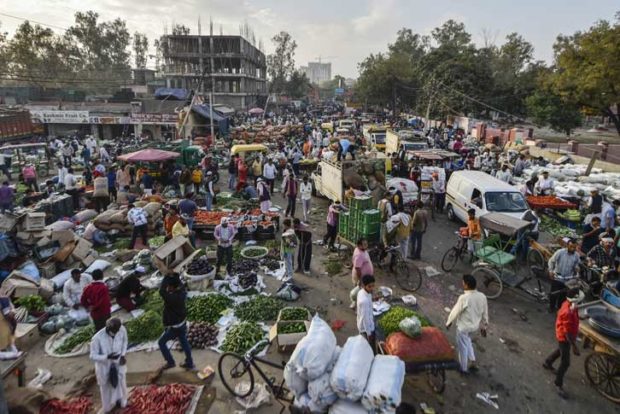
point(602, 366)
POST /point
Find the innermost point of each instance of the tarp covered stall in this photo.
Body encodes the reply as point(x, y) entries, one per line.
point(149, 155)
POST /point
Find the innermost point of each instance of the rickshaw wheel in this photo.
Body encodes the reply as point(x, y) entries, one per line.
point(603, 372)
point(488, 282)
point(535, 259)
point(436, 378)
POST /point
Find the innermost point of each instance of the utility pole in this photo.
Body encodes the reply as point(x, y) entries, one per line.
point(211, 116)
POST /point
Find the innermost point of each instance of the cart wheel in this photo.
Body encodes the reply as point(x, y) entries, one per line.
point(436, 378)
point(535, 259)
point(603, 372)
point(488, 282)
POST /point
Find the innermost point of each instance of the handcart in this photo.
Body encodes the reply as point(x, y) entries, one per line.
point(435, 369)
point(602, 366)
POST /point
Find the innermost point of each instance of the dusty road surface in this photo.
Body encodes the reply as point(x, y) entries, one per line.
point(510, 357)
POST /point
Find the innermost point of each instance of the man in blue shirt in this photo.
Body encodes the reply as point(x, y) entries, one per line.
point(147, 183)
point(112, 183)
point(344, 146)
point(188, 207)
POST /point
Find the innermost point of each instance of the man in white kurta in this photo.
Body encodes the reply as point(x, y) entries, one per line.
point(107, 349)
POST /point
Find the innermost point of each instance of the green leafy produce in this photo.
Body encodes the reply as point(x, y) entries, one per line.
point(291, 327)
point(33, 303)
point(146, 327)
point(254, 252)
point(242, 336)
point(122, 243)
point(554, 228)
point(294, 314)
point(156, 241)
point(153, 302)
point(207, 308)
point(391, 319)
point(259, 308)
point(333, 267)
point(79, 337)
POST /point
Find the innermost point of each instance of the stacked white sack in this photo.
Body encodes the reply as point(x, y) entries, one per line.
point(385, 383)
point(348, 379)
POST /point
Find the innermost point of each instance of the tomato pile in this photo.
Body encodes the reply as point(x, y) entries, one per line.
point(213, 218)
point(156, 399)
point(548, 202)
point(80, 405)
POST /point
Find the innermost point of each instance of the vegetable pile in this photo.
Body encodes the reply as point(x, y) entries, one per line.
point(79, 405)
point(254, 252)
point(146, 327)
point(260, 308)
point(241, 337)
point(202, 335)
point(294, 314)
point(171, 398)
point(79, 337)
point(153, 302)
point(291, 327)
point(548, 202)
point(554, 228)
point(207, 308)
point(243, 266)
point(199, 266)
point(270, 263)
point(247, 280)
point(391, 319)
point(33, 303)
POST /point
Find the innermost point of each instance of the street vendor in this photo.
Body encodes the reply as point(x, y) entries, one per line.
point(128, 292)
point(224, 233)
point(170, 220)
point(72, 293)
point(188, 207)
point(181, 228)
point(544, 185)
point(264, 195)
point(94, 235)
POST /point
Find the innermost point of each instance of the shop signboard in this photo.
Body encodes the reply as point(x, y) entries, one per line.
point(154, 118)
point(59, 117)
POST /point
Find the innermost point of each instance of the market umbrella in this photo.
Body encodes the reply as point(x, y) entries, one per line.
point(149, 155)
point(255, 111)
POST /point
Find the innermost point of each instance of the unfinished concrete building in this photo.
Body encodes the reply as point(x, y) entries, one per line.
point(233, 69)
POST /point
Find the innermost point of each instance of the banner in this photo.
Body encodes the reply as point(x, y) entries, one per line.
point(153, 118)
point(59, 117)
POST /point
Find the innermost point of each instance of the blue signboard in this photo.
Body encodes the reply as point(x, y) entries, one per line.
point(339, 91)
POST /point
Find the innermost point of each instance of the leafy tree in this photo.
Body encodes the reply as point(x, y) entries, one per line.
point(298, 85)
point(586, 70)
point(547, 108)
point(281, 64)
point(140, 49)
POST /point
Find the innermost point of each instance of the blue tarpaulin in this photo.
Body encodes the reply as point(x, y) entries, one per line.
point(171, 93)
point(221, 121)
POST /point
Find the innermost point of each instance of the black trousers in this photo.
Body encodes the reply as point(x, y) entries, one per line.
point(290, 206)
point(224, 253)
point(557, 294)
point(75, 196)
point(330, 237)
point(101, 203)
point(563, 352)
point(304, 255)
point(138, 230)
point(271, 182)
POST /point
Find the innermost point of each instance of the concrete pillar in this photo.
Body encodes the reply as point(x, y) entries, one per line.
point(573, 146)
point(604, 147)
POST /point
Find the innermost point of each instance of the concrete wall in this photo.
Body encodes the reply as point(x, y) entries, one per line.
point(554, 155)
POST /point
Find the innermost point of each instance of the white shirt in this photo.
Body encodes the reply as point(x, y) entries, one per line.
point(70, 181)
point(504, 176)
point(103, 153)
point(137, 216)
point(72, 290)
point(269, 171)
point(470, 311)
point(305, 189)
point(544, 184)
point(101, 346)
point(439, 186)
point(62, 173)
point(326, 142)
point(365, 318)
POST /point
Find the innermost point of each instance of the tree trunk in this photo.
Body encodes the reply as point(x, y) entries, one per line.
point(614, 118)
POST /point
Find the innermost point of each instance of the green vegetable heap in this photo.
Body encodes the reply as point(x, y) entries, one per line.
point(79, 337)
point(241, 337)
point(33, 303)
point(294, 314)
point(146, 327)
point(390, 320)
point(207, 308)
point(260, 308)
point(291, 327)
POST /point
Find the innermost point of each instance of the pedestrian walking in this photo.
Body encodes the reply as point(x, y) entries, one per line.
point(566, 331)
point(112, 185)
point(419, 225)
point(361, 265)
point(290, 187)
point(305, 189)
point(224, 233)
point(304, 253)
point(210, 196)
point(101, 193)
point(386, 211)
point(174, 316)
point(364, 311)
point(269, 174)
point(7, 197)
point(137, 217)
point(470, 313)
point(232, 172)
point(96, 298)
point(30, 177)
point(563, 269)
point(264, 195)
point(288, 244)
point(332, 224)
point(67, 153)
point(107, 350)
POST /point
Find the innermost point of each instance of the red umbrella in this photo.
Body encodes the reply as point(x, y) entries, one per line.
point(149, 155)
point(255, 111)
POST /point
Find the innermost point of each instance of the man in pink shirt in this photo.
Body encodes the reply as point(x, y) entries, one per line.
point(30, 177)
point(362, 265)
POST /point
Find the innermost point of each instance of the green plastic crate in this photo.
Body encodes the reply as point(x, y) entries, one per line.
point(362, 203)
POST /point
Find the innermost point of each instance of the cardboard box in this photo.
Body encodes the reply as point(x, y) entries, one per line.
point(64, 253)
point(48, 269)
point(287, 340)
point(63, 236)
point(8, 221)
point(26, 335)
point(173, 254)
point(46, 289)
point(16, 287)
point(34, 221)
point(88, 260)
point(82, 249)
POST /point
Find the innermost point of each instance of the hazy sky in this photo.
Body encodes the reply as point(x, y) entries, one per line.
point(341, 31)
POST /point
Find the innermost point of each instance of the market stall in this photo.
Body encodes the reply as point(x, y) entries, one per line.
point(549, 202)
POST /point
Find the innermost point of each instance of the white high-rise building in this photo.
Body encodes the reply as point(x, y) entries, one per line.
point(318, 72)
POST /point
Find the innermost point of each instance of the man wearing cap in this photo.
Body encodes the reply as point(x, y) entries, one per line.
point(224, 234)
point(188, 207)
point(544, 185)
point(563, 267)
point(130, 286)
point(210, 191)
point(181, 228)
point(566, 331)
point(396, 198)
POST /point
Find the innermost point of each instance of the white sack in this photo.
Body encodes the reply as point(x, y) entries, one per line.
point(97, 264)
point(347, 407)
point(348, 379)
point(314, 352)
point(294, 382)
point(321, 392)
point(385, 383)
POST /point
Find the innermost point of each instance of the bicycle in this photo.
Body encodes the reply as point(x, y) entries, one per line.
point(407, 275)
point(455, 253)
point(241, 370)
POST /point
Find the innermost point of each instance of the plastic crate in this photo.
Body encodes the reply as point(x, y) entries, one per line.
point(361, 203)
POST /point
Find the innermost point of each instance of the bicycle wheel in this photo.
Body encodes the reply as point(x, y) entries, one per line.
point(450, 258)
point(234, 370)
point(488, 282)
point(408, 276)
point(535, 259)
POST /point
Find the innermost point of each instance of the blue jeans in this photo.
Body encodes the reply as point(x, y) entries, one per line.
point(209, 201)
point(288, 263)
point(232, 181)
point(175, 333)
point(415, 242)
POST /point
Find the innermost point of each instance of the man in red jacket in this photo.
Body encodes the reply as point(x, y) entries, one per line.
point(566, 330)
point(96, 298)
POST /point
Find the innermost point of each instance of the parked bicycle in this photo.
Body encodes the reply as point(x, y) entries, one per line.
point(407, 274)
point(235, 369)
point(456, 254)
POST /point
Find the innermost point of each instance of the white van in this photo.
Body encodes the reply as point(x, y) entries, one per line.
point(483, 193)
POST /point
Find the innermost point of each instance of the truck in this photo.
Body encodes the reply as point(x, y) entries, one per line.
point(375, 136)
point(328, 178)
point(411, 139)
point(15, 124)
